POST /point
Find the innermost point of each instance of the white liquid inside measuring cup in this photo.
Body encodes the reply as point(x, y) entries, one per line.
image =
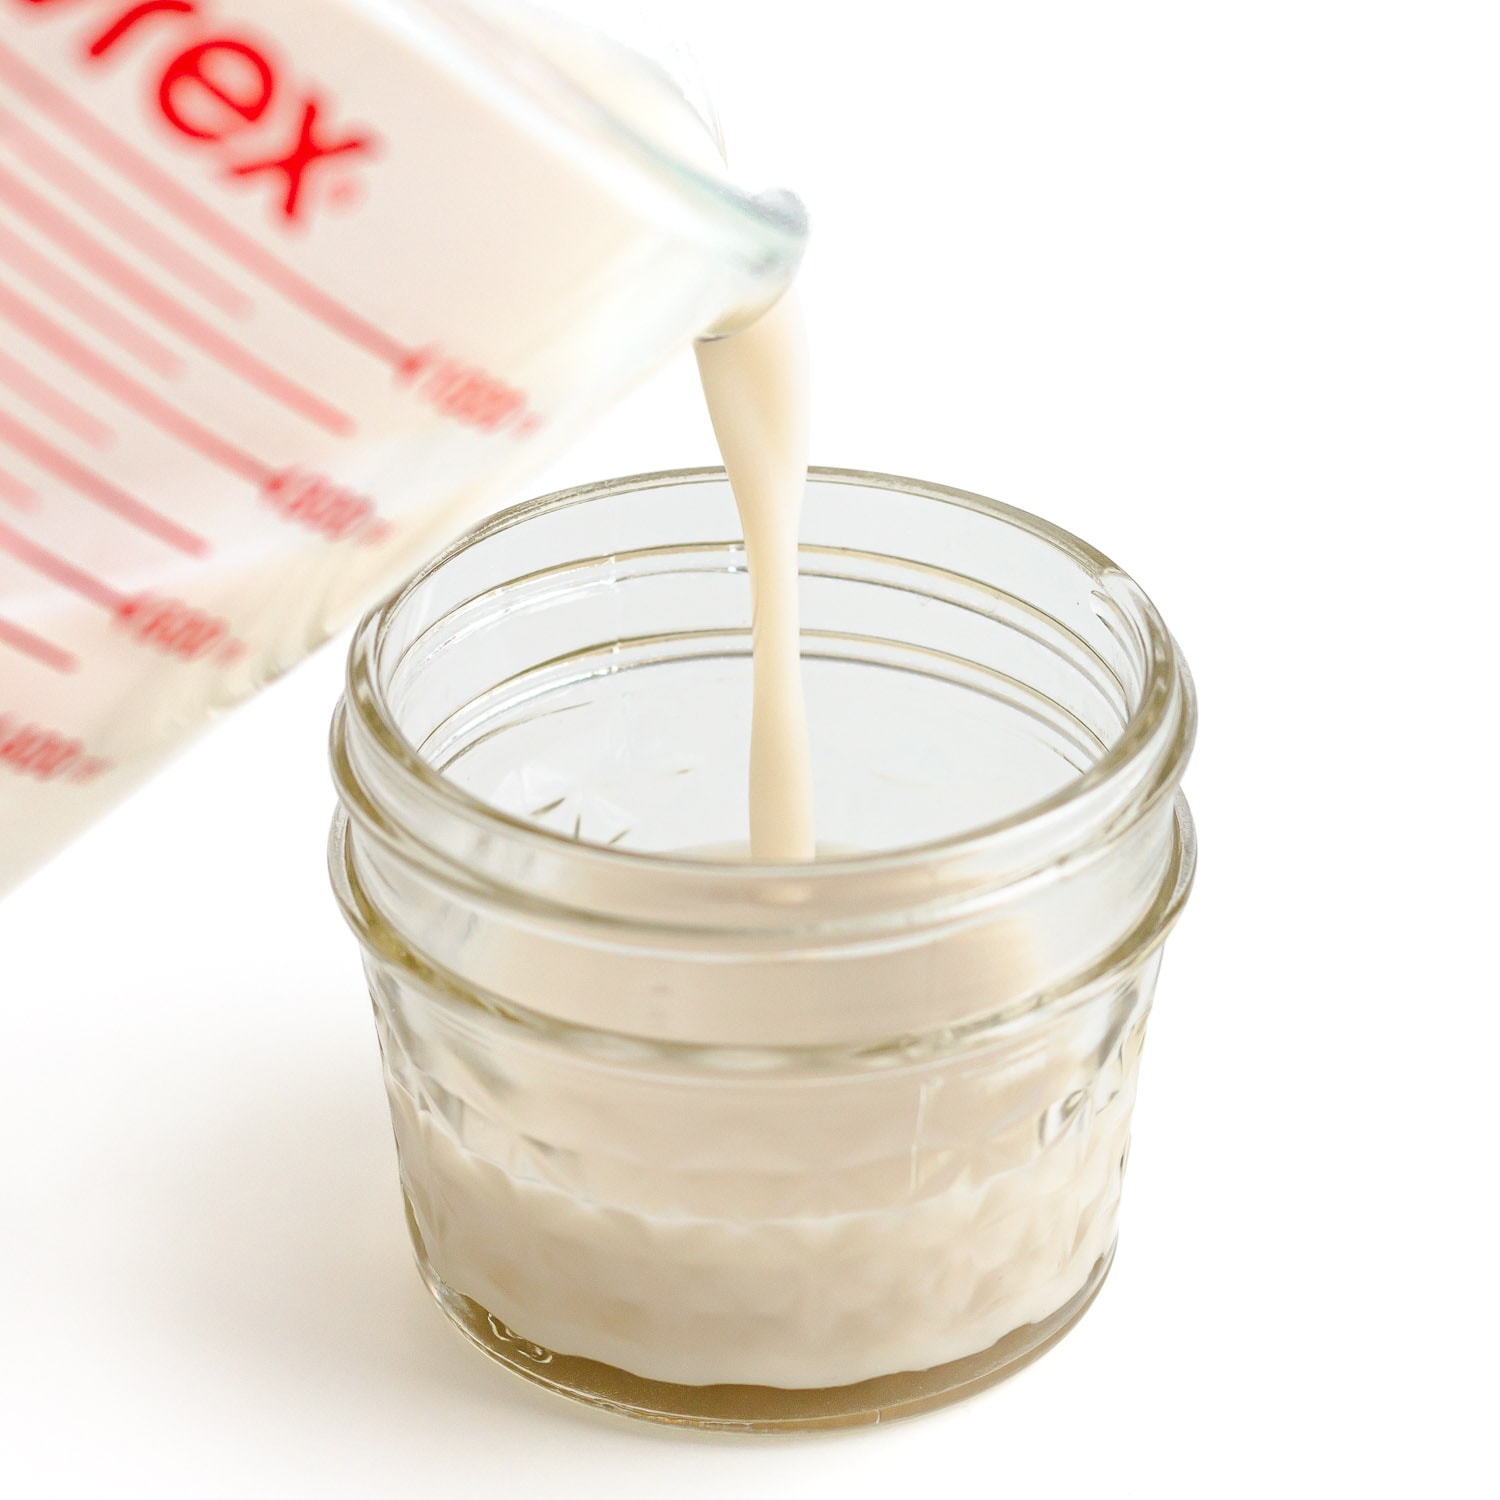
point(250, 405)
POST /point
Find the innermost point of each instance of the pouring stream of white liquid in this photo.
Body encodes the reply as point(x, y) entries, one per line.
point(756, 385)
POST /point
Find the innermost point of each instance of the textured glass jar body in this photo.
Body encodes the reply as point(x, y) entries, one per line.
point(743, 1145)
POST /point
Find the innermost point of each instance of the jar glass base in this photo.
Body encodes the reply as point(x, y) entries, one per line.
point(755, 1408)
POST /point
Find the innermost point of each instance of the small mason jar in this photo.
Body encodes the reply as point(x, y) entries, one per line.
point(757, 1146)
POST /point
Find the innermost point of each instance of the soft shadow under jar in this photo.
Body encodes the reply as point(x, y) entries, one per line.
point(748, 1146)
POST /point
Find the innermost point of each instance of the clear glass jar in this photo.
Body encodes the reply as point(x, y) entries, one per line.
point(749, 1146)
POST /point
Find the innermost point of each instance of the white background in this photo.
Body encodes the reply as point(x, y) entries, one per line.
point(1212, 285)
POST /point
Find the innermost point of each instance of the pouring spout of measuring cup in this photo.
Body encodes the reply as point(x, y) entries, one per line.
point(254, 389)
point(785, 214)
point(623, 78)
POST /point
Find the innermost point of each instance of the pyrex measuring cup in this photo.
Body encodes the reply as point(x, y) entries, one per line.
point(280, 285)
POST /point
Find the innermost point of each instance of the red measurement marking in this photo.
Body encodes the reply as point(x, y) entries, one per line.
point(60, 570)
point(39, 327)
point(415, 362)
point(98, 489)
point(86, 307)
point(62, 173)
point(106, 265)
point(46, 754)
point(169, 625)
point(36, 648)
point(322, 505)
point(52, 403)
point(109, 148)
point(13, 492)
point(172, 626)
point(468, 395)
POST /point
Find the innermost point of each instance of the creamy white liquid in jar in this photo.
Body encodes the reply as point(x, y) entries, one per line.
point(702, 1278)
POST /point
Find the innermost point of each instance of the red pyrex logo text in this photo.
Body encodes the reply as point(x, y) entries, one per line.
point(227, 94)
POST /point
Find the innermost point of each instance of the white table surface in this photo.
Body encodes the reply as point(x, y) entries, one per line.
point(1212, 286)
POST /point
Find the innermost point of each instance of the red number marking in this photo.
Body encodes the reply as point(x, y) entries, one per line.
point(171, 626)
point(45, 754)
point(323, 506)
point(466, 394)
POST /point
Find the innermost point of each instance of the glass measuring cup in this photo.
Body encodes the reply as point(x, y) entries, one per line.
point(279, 288)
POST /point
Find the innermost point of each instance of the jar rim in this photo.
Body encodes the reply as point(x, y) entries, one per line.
point(1136, 754)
